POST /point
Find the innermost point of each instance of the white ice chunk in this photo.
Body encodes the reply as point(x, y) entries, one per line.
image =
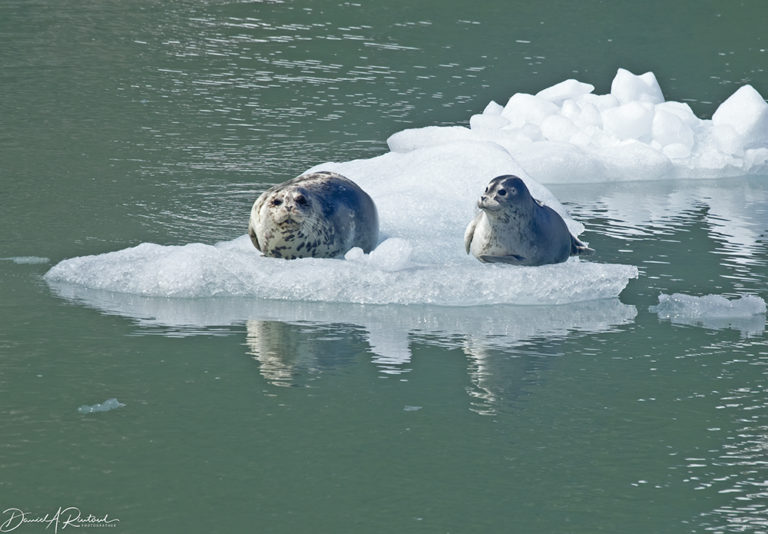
point(413, 138)
point(676, 151)
point(669, 129)
point(26, 260)
point(493, 108)
point(561, 163)
point(633, 160)
point(523, 108)
point(489, 122)
point(728, 140)
point(628, 87)
point(107, 405)
point(746, 313)
point(680, 305)
point(583, 114)
point(565, 90)
point(394, 254)
point(747, 113)
point(600, 102)
point(558, 128)
point(756, 160)
point(682, 111)
point(633, 120)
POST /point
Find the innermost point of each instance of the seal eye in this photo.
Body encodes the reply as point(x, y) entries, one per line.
point(301, 200)
point(502, 192)
point(276, 202)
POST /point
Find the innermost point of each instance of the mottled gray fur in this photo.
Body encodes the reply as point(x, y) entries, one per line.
point(513, 227)
point(320, 215)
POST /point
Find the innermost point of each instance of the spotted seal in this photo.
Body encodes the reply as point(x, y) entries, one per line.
point(319, 214)
point(513, 227)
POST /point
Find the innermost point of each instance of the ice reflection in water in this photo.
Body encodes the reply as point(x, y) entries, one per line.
point(290, 339)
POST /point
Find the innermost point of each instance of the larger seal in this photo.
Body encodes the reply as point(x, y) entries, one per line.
point(513, 227)
point(319, 215)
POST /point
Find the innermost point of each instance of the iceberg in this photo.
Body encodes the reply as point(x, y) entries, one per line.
point(107, 405)
point(746, 313)
point(568, 134)
point(425, 189)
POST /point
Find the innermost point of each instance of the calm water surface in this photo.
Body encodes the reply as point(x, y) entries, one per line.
point(157, 121)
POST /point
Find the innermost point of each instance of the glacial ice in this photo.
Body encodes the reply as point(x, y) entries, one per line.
point(568, 134)
point(26, 260)
point(426, 188)
point(679, 305)
point(107, 405)
point(746, 313)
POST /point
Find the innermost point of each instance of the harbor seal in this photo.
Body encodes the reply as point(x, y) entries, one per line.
point(319, 215)
point(513, 227)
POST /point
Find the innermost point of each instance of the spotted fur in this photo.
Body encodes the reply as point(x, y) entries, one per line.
point(320, 215)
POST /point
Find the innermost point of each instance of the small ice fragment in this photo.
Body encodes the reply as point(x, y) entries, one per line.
point(679, 305)
point(408, 408)
point(107, 405)
point(26, 259)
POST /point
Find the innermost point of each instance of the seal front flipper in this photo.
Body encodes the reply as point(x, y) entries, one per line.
point(510, 258)
point(469, 233)
point(254, 239)
point(580, 249)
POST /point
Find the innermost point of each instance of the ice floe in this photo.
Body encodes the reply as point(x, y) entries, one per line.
point(746, 313)
point(426, 188)
point(107, 405)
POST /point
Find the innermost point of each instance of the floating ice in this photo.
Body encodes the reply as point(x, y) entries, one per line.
point(715, 306)
point(746, 313)
point(235, 268)
point(425, 198)
point(107, 405)
point(26, 260)
point(567, 134)
point(425, 189)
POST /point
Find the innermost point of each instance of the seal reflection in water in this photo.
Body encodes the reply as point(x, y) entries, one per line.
point(513, 227)
point(319, 215)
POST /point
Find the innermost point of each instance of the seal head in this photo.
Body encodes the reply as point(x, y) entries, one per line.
point(513, 227)
point(320, 215)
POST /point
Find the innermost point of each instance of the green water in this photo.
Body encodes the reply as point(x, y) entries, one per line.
point(131, 122)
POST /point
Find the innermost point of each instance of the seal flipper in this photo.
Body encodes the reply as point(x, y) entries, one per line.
point(580, 249)
point(254, 239)
point(469, 233)
point(511, 258)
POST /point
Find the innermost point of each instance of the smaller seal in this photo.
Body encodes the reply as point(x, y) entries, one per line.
point(319, 215)
point(513, 227)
